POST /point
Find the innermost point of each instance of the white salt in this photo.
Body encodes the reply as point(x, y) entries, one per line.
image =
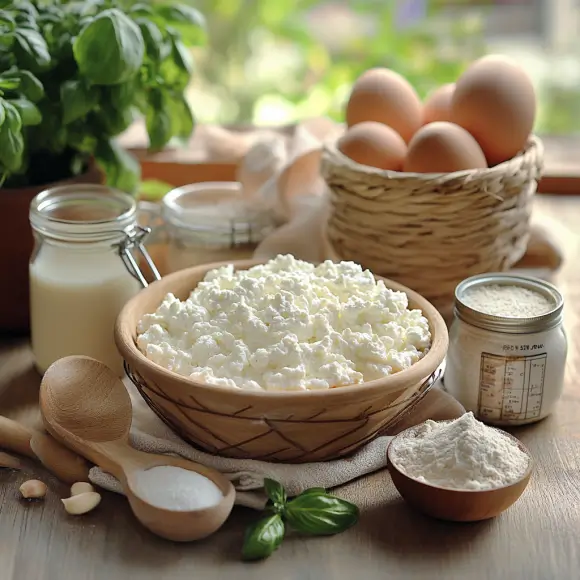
point(507, 301)
point(174, 488)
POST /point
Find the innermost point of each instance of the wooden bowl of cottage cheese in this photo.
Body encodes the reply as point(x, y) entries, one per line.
point(279, 360)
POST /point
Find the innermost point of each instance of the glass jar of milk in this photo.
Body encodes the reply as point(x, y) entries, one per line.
point(212, 222)
point(80, 271)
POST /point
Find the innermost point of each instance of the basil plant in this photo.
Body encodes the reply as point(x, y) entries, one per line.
point(75, 74)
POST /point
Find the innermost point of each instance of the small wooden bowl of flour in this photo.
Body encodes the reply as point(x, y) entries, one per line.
point(459, 470)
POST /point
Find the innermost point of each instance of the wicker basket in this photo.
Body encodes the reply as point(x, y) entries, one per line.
point(296, 426)
point(430, 231)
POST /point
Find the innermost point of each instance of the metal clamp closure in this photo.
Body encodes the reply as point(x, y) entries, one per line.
point(134, 241)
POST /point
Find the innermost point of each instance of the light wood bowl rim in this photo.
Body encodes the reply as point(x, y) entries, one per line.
point(428, 486)
point(125, 336)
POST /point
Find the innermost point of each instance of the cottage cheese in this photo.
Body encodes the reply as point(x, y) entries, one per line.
point(286, 325)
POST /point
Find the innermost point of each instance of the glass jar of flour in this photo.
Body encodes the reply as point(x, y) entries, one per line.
point(82, 271)
point(212, 222)
point(507, 348)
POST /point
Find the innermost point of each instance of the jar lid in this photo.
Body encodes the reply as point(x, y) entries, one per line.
point(82, 212)
point(466, 310)
point(217, 207)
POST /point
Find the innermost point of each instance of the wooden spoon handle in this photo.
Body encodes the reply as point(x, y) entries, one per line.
point(15, 437)
point(9, 461)
point(63, 463)
point(58, 459)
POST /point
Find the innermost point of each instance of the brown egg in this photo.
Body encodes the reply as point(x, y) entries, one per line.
point(443, 147)
point(495, 101)
point(437, 105)
point(374, 144)
point(384, 96)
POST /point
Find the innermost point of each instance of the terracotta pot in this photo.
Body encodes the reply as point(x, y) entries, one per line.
point(16, 244)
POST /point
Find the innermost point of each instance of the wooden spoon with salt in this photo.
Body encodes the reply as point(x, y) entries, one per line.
point(86, 407)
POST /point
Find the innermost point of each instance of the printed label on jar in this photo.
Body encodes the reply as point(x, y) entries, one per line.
point(511, 387)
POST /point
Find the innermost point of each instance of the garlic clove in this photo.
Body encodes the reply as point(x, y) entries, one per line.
point(81, 487)
point(33, 489)
point(82, 503)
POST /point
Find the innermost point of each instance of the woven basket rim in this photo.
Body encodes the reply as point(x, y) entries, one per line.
point(533, 145)
point(125, 338)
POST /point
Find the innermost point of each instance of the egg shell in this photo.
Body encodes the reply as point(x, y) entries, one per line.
point(437, 106)
point(384, 96)
point(443, 147)
point(495, 101)
point(374, 144)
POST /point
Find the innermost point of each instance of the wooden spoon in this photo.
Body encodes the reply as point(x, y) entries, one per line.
point(86, 407)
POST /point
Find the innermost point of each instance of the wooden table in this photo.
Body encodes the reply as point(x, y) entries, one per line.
point(538, 538)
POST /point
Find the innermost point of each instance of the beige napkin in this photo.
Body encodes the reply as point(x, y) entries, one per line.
point(150, 434)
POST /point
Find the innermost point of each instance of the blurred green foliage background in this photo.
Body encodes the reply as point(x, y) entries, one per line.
point(276, 61)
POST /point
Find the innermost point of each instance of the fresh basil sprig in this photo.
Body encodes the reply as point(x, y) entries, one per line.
point(314, 512)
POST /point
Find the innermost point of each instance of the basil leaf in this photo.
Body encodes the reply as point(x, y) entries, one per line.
point(7, 26)
point(122, 96)
point(6, 39)
point(2, 112)
point(182, 119)
point(115, 121)
point(153, 189)
point(80, 139)
point(9, 82)
point(28, 111)
point(77, 100)
point(31, 50)
point(176, 69)
point(86, 7)
point(276, 494)
point(263, 538)
point(141, 9)
point(25, 7)
point(11, 141)
point(121, 168)
point(30, 86)
point(26, 15)
point(158, 121)
point(188, 21)
point(110, 49)
point(320, 514)
point(152, 37)
point(6, 21)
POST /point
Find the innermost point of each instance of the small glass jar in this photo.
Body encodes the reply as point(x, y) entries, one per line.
point(212, 222)
point(82, 271)
point(508, 371)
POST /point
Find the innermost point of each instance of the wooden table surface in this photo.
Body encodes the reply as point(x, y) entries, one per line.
point(538, 538)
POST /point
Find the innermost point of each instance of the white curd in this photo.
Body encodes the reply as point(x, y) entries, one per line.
point(286, 325)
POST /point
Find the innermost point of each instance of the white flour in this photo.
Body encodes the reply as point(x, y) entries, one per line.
point(174, 488)
point(461, 454)
point(507, 300)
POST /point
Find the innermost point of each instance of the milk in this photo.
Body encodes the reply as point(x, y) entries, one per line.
point(75, 297)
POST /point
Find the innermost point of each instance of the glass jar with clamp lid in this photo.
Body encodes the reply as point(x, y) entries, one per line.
point(82, 271)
